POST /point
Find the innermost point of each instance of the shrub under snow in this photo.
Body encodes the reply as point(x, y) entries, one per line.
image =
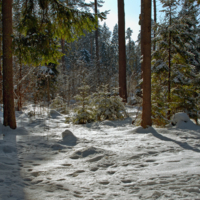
point(59, 105)
point(178, 117)
point(83, 113)
point(108, 106)
point(103, 106)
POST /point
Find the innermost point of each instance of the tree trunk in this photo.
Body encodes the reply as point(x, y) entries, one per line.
point(97, 48)
point(122, 51)
point(155, 20)
point(8, 95)
point(146, 64)
point(1, 77)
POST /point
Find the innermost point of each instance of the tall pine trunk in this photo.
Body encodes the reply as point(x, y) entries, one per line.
point(122, 51)
point(146, 64)
point(8, 95)
point(155, 20)
point(1, 77)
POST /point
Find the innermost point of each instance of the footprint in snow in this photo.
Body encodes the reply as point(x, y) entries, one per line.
point(126, 181)
point(104, 182)
point(66, 164)
point(111, 172)
point(76, 173)
point(93, 169)
point(36, 164)
point(35, 174)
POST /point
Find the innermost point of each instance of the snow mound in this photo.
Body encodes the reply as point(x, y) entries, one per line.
point(69, 138)
point(187, 125)
point(178, 117)
point(181, 120)
point(83, 153)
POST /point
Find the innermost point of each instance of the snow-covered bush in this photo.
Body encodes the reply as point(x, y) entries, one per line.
point(108, 105)
point(59, 105)
point(103, 106)
point(181, 116)
point(83, 113)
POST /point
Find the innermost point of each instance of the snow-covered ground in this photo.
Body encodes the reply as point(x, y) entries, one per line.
point(106, 160)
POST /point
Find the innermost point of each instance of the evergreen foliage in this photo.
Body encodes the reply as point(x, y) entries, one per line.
point(47, 81)
point(108, 106)
point(184, 59)
point(84, 113)
point(41, 25)
point(59, 104)
point(99, 106)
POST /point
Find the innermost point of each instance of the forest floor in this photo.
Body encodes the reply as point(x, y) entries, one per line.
point(101, 160)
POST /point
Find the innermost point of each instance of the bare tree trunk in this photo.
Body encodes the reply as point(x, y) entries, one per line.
point(142, 32)
point(146, 64)
point(8, 95)
point(97, 47)
point(122, 51)
point(155, 20)
point(1, 76)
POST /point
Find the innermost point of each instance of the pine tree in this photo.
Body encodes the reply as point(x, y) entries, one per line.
point(184, 61)
point(1, 75)
point(122, 51)
point(41, 30)
point(8, 96)
point(155, 20)
point(108, 105)
point(146, 63)
point(42, 23)
point(84, 112)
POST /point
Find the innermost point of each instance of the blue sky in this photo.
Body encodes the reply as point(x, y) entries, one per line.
point(132, 11)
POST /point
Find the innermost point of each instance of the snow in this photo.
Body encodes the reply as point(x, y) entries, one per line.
point(45, 158)
point(182, 120)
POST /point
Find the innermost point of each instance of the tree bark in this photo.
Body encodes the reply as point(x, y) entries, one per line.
point(8, 94)
point(122, 51)
point(1, 77)
point(155, 20)
point(146, 64)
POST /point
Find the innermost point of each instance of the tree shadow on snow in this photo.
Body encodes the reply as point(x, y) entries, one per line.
point(184, 145)
point(11, 182)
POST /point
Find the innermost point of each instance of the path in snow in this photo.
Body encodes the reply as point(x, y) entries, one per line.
point(105, 160)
